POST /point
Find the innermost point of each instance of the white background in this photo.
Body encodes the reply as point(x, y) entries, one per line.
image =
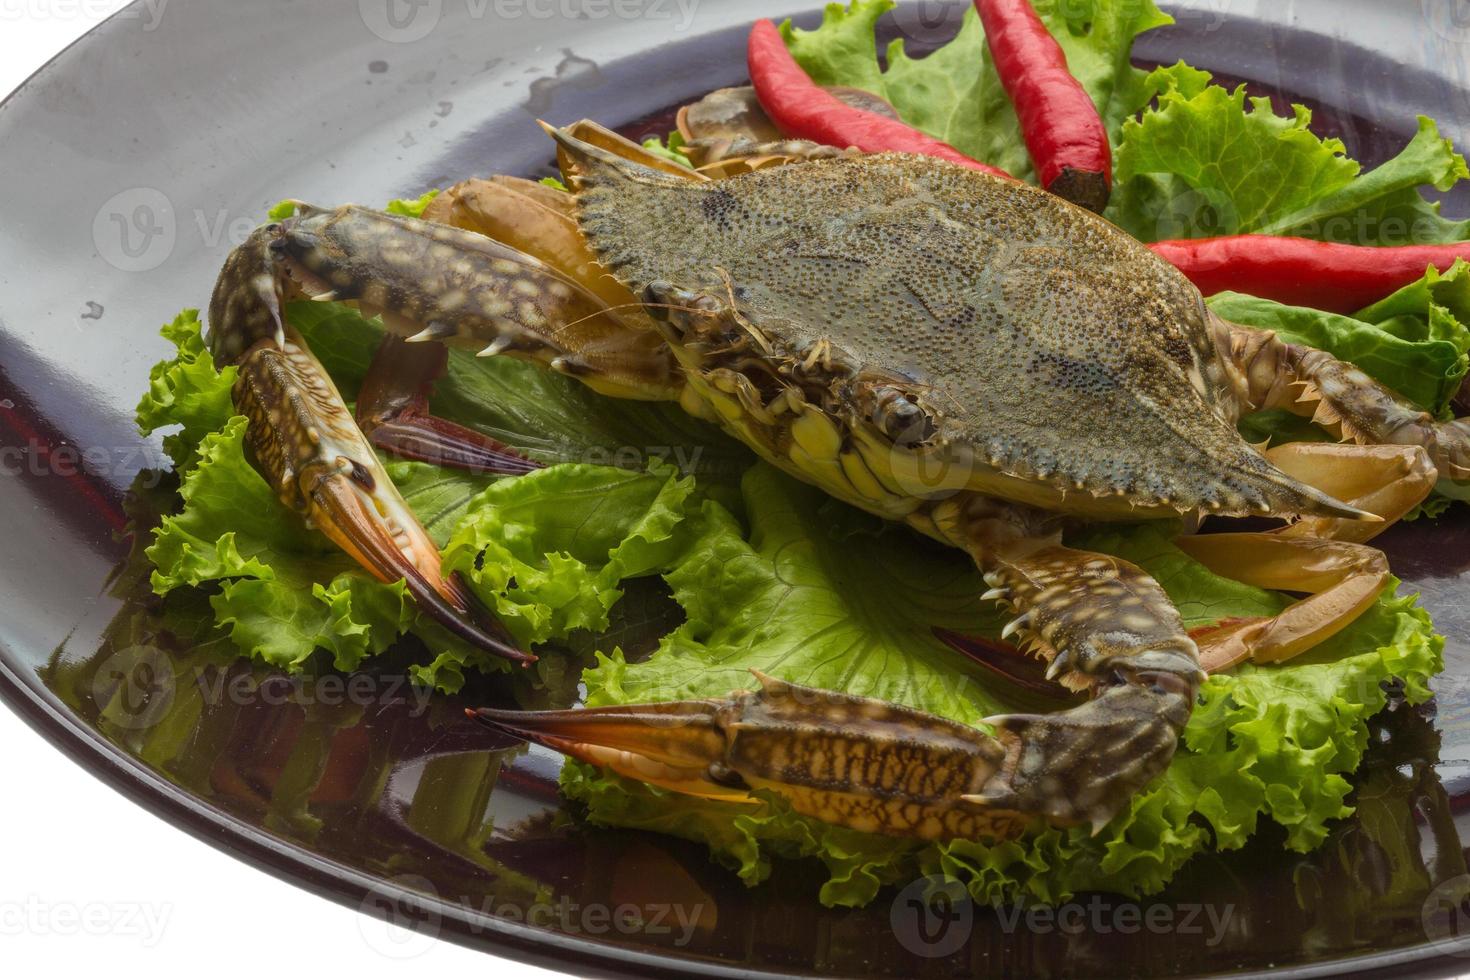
point(92, 885)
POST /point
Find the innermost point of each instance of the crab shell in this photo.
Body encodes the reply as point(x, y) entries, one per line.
point(896, 329)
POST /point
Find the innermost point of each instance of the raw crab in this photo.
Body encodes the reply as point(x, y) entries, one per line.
point(969, 355)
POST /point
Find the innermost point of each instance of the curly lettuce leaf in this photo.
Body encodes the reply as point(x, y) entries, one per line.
point(853, 611)
point(185, 391)
point(546, 551)
point(954, 94)
point(1207, 161)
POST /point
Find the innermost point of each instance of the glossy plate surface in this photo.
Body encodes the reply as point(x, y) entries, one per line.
point(136, 160)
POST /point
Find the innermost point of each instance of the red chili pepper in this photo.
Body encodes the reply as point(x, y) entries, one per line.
point(1064, 134)
point(801, 109)
point(1303, 272)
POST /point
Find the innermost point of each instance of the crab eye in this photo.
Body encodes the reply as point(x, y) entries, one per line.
point(901, 419)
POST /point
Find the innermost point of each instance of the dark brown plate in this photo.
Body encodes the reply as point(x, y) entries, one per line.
point(137, 157)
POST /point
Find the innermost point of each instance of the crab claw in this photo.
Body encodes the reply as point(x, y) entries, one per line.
point(355, 518)
point(303, 440)
point(678, 745)
point(851, 761)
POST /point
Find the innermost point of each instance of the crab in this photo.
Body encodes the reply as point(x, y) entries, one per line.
point(971, 356)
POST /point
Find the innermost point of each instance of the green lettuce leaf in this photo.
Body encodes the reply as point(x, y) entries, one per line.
point(1206, 161)
point(408, 207)
point(547, 551)
point(853, 611)
point(232, 530)
point(954, 93)
point(669, 151)
point(412, 207)
point(185, 391)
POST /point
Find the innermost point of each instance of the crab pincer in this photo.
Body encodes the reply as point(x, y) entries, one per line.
point(874, 766)
point(304, 441)
point(852, 761)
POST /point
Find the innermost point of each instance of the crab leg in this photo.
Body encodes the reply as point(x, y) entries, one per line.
point(537, 223)
point(304, 442)
point(721, 158)
point(533, 219)
point(1269, 373)
point(1321, 556)
point(1384, 480)
point(436, 283)
point(1342, 578)
point(393, 412)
